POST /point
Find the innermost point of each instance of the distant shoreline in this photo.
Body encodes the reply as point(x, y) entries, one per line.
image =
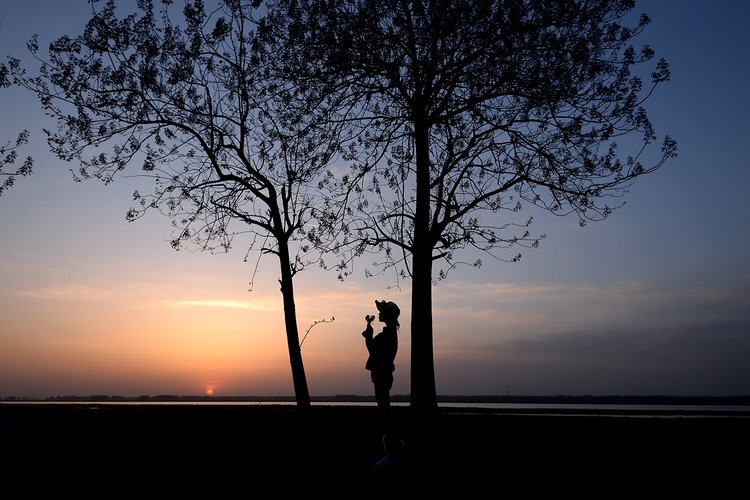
point(353, 398)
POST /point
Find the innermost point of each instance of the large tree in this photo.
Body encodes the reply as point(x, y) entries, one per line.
point(194, 107)
point(462, 112)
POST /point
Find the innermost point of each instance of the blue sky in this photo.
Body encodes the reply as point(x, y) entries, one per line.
point(653, 300)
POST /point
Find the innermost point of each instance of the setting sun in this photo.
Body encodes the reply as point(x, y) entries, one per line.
point(209, 392)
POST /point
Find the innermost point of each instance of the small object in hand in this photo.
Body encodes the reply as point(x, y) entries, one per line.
point(369, 319)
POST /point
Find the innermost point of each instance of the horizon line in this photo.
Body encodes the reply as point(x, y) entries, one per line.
point(358, 397)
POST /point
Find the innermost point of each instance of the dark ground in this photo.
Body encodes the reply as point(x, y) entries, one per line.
point(255, 451)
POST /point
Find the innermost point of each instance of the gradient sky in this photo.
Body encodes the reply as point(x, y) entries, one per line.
point(655, 300)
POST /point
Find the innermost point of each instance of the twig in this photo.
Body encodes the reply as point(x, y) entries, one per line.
point(311, 326)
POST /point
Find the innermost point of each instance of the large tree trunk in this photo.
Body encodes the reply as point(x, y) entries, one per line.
point(302, 395)
point(423, 391)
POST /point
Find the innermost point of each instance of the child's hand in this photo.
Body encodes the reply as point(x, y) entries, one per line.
point(368, 331)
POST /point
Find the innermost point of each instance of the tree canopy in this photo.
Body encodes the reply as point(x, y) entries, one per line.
point(461, 113)
point(193, 106)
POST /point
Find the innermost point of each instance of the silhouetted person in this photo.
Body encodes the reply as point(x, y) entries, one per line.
point(382, 349)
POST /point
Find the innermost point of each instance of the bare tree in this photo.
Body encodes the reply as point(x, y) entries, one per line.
point(193, 106)
point(462, 112)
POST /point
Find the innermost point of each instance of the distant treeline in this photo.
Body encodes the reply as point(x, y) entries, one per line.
point(353, 398)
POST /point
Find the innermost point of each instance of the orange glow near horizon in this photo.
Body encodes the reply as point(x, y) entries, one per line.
point(168, 340)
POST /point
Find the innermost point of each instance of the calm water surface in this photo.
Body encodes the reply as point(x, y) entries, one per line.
point(564, 409)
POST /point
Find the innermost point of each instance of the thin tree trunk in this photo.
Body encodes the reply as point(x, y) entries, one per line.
point(301, 392)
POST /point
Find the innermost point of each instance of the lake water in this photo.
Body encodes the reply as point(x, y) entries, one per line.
point(635, 410)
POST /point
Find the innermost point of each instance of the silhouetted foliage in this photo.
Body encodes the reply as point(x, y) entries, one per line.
point(196, 106)
point(9, 151)
point(8, 157)
point(459, 114)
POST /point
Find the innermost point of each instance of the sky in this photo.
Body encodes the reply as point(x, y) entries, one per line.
point(652, 301)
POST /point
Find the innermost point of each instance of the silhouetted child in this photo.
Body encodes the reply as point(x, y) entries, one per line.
point(382, 349)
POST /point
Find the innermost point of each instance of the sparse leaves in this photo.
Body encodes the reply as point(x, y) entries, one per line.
point(521, 104)
point(459, 114)
point(10, 170)
point(192, 101)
